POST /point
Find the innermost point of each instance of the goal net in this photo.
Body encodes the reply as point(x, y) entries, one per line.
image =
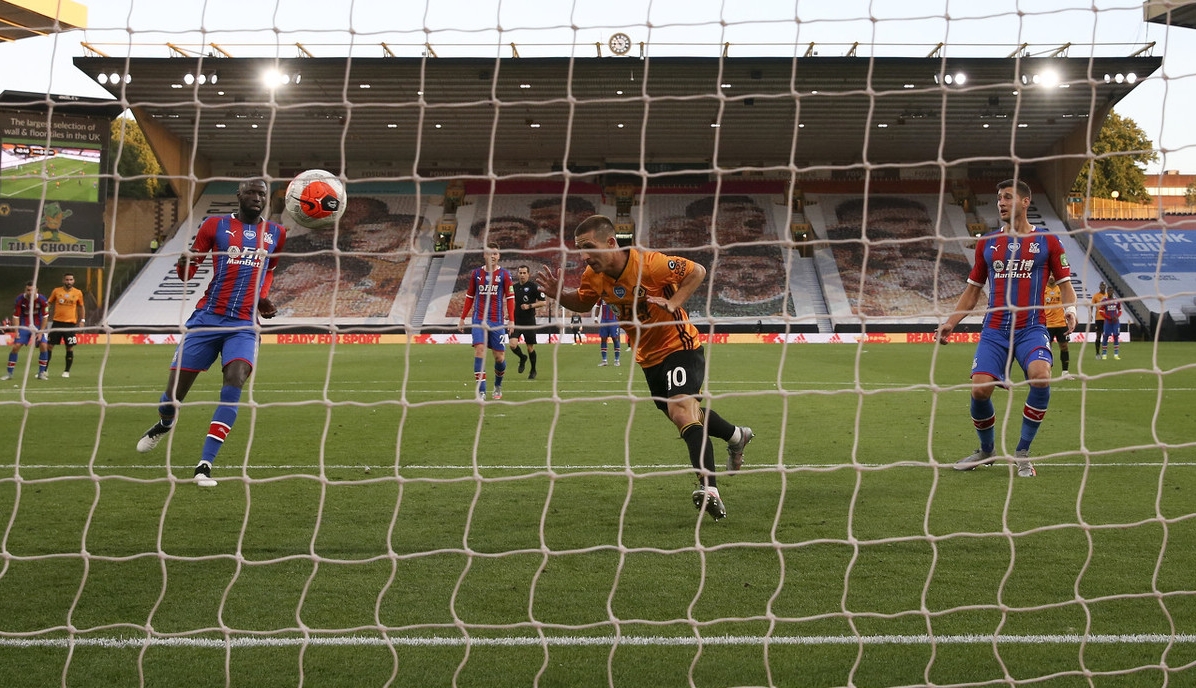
point(377, 521)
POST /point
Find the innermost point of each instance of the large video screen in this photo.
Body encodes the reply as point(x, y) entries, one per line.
point(51, 188)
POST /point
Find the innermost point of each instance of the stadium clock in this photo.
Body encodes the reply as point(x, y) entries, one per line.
point(620, 43)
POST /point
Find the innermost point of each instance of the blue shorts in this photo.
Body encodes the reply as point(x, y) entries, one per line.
point(609, 331)
point(494, 336)
point(993, 354)
point(25, 335)
point(209, 336)
point(1112, 329)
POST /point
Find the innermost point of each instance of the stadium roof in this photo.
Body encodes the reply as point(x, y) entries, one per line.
point(1171, 12)
point(26, 18)
point(460, 113)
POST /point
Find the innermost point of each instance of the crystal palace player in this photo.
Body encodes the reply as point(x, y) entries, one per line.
point(608, 328)
point(1110, 310)
point(29, 316)
point(244, 249)
point(528, 298)
point(490, 304)
point(1016, 261)
point(647, 290)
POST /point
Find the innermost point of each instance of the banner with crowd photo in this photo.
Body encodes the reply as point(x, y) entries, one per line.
point(51, 188)
point(354, 274)
point(1157, 263)
point(906, 263)
point(749, 279)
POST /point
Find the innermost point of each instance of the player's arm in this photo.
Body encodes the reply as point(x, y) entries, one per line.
point(550, 282)
point(470, 295)
point(265, 307)
point(509, 303)
point(1069, 305)
point(693, 279)
point(189, 262)
point(963, 308)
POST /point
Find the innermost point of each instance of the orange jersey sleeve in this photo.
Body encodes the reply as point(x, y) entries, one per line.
point(651, 330)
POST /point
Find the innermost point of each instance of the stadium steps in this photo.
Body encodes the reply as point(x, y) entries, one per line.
point(811, 286)
point(426, 294)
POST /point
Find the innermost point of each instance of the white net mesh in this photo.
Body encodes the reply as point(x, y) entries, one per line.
point(374, 522)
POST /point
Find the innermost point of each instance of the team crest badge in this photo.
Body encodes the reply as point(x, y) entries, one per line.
point(620, 292)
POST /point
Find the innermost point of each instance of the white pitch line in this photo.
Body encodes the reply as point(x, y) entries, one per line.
point(388, 464)
point(601, 641)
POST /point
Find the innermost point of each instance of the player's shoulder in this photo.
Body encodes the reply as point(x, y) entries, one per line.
point(213, 221)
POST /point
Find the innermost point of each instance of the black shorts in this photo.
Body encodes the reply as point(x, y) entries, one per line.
point(528, 332)
point(63, 332)
point(1058, 334)
point(681, 372)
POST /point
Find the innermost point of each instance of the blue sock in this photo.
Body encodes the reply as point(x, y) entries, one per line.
point(479, 374)
point(1032, 414)
point(603, 350)
point(12, 361)
point(43, 361)
point(985, 419)
point(222, 422)
point(166, 410)
point(500, 367)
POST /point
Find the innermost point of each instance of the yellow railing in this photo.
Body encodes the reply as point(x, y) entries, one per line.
point(1109, 209)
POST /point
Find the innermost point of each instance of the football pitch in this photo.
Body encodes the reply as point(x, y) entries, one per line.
point(550, 539)
point(70, 180)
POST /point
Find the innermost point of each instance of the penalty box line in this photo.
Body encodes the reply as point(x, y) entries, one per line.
point(120, 643)
point(597, 640)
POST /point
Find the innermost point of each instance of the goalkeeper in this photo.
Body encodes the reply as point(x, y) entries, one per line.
point(646, 289)
point(244, 249)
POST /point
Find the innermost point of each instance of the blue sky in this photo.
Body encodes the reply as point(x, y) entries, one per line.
point(1162, 105)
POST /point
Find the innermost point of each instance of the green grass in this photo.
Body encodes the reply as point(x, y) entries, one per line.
point(542, 525)
point(69, 180)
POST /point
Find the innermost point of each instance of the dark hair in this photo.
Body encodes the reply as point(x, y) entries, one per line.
point(600, 225)
point(493, 246)
point(29, 283)
point(252, 180)
point(1023, 189)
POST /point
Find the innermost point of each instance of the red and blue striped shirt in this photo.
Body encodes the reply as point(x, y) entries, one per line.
point(1017, 268)
point(607, 314)
point(490, 297)
point(243, 258)
point(30, 312)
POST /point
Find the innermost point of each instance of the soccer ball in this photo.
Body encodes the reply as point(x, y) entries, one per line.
point(316, 199)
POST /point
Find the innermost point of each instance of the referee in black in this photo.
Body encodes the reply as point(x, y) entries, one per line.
point(528, 298)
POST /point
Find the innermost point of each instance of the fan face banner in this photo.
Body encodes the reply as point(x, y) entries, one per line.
point(51, 189)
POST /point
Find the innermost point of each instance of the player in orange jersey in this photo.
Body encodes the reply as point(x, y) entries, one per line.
point(647, 289)
point(66, 317)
